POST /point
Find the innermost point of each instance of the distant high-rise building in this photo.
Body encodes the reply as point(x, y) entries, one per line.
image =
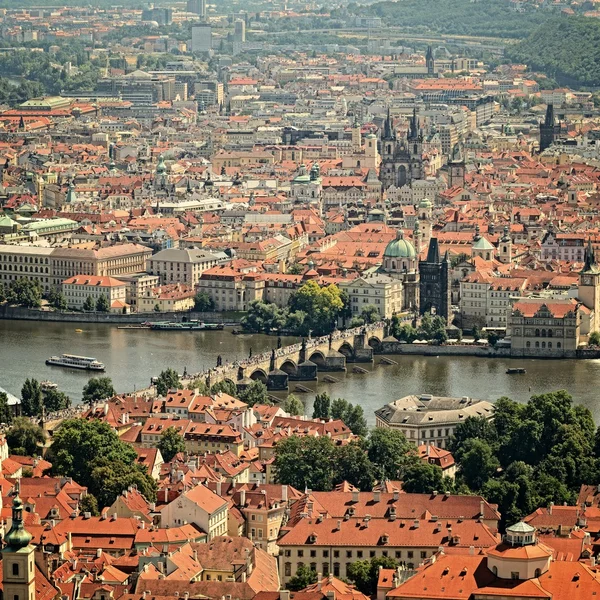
point(198, 7)
point(239, 33)
point(163, 16)
point(201, 37)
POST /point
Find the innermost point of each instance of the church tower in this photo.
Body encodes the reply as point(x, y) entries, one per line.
point(356, 136)
point(430, 62)
point(589, 285)
point(18, 565)
point(434, 275)
point(401, 160)
point(505, 247)
point(548, 129)
point(456, 168)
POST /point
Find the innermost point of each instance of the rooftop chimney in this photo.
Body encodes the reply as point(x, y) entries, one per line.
point(242, 498)
point(355, 496)
point(376, 496)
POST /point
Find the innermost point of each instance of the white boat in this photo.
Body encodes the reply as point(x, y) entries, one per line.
point(72, 361)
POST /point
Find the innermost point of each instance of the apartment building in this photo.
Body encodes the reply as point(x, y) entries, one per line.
point(183, 266)
point(30, 262)
point(78, 289)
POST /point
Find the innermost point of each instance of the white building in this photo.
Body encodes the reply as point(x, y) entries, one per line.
point(81, 287)
point(428, 419)
point(199, 506)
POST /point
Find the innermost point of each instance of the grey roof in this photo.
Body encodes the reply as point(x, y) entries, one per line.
point(187, 255)
point(520, 527)
point(428, 410)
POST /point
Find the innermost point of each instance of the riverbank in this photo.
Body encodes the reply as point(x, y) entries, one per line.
point(20, 313)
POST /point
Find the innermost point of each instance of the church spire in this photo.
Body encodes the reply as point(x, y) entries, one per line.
point(414, 126)
point(388, 127)
point(590, 264)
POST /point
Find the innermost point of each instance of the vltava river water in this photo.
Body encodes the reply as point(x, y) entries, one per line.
point(133, 357)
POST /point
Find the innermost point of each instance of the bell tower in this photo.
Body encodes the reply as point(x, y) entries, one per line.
point(18, 565)
point(589, 286)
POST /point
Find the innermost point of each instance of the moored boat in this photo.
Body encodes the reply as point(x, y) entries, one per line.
point(72, 361)
point(187, 326)
point(515, 371)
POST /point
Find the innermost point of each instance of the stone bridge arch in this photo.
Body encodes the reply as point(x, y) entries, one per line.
point(375, 342)
point(259, 375)
point(318, 358)
point(289, 366)
point(347, 349)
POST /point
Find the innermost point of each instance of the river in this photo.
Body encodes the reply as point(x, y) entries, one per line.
point(132, 357)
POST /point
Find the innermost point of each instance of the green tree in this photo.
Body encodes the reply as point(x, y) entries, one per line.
point(89, 304)
point(93, 455)
point(170, 444)
point(423, 478)
point(493, 338)
point(365, 573)
point(352, 415)
point(57, 299)
point(24, 437)
point(322, 306)
point(477, 464)
point(6, 415)
point(264, 317)
point(304, 577)
point(352, 464)
point(156, 308)
point(98, 388)
point(89, 504)
point(167, 380)
point(31, 398)
point(369, 314)
point(322, 406)
point(54, 400)
point(203, 302)
point(225, 387)
point(390, 452)
point(305, 462)
point(293, 406)
point(296, 269)
point(25, 293)
point(255, 393)
point(102, 304)
point(594, 338)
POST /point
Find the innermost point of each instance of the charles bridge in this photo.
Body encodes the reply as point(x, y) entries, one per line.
point(302, 361)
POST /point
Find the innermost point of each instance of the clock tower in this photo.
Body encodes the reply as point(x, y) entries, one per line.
point(18, 565)
point(589, 286)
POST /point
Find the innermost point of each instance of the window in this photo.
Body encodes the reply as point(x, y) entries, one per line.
point(313, 553)
point(336, 569)
point(300, 553)
point(325, 570)
point(359, 554)
point(495, 570)
point(372, 553)
point(538, 572)
point(288, 569)
point(348, 553)
point(15, 569)
point(514, 575)
point(336, 554)
point(410, 554)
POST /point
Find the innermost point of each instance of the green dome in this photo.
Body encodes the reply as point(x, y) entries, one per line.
point(400, 248)
point(425, 203)
point(18, 537)
point(482, 244)
point(161, 167)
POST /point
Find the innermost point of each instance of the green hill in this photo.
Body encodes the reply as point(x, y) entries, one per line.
point(492, 18)
point(565, 48)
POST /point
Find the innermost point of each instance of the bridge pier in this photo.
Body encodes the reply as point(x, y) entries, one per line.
point(306, 371)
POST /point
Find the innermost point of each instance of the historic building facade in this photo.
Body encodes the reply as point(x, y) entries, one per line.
point(434, 282)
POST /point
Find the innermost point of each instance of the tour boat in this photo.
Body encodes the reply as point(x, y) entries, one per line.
point(187, 326)
point(72, 361)
point(516, 371)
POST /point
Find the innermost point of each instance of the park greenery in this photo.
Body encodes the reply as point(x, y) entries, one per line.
point(98, 388)
point(167, 380)
point(203, 302)
point(22, 292)
point(352, 415)
point(35, 401)
point(319, 464)
point(170, 444)
point(565, 48)
point(25, 438)
point(430, 328)
point(530, 454)
point(312, 309)
point(93, 455)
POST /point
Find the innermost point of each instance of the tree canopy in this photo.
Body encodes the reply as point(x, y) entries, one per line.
point(170, 443)
point(529, 454)
point(24, 437)
point(93, 455)
point(98, 388)
point(167, 380)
